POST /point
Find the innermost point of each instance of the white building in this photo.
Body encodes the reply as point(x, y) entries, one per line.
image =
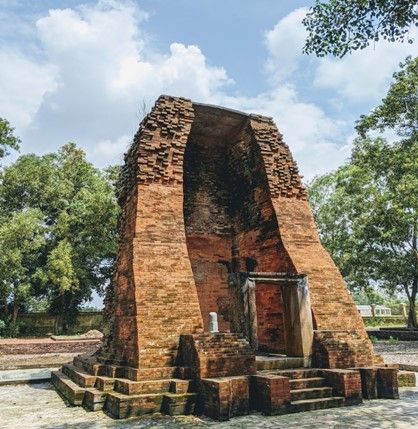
point(379, 310)
point(365, 310)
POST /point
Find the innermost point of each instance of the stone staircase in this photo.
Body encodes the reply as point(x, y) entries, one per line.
point(121, 397)
point(219, 376)
point(309, 390)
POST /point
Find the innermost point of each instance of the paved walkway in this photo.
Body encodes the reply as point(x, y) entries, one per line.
point(17, 376)
point(37, 406)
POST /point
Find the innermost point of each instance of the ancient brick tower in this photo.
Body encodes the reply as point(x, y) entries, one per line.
point(206, 192)
point(215, 218)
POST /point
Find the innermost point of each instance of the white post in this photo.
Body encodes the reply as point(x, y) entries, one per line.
point(373, 309)
point(213, 322)
point(404, 313)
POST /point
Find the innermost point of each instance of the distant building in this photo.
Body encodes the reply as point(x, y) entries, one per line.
point(365, 310)
point(379, 310)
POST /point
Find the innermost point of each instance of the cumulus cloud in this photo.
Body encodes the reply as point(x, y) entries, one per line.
point(363, 75)
point(23, 87)
point(305, 127)
point(321, 142)
point(111, 151)
point(103, 72)
point(97, 70)
point(284, 44)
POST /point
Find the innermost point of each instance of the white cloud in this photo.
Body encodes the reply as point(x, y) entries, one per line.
point(183, 72)
point(305, 127)
point(105, 71)
point(111, 152)
point(364, 75)
point(23, 86)
point(100, 70)
point(284, 44)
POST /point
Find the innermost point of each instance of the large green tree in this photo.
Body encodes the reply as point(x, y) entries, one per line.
point(78, 212)
point(367, 210)
point(338, 27)
point(22, 239)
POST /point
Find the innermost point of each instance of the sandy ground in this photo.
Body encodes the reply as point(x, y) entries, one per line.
point(401, 352)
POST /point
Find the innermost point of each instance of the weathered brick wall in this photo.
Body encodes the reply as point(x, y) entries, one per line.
point(207, 219)
point(257, 242)
point(154, 295)
point(332, 305)
point(341, 349)
point(229, 216)
point(216, 355)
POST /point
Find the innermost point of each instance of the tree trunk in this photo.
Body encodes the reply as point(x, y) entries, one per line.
point(412, 315)
point(59, 320)
point(15, 311)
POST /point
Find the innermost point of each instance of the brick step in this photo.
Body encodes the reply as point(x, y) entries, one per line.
point(89, 365)
point(94, 399)
point(299, 373)
point(306, 383)
point(279, 363)
point(226, 343)
point(222, 346)
point(216, 353)
point(72, 392)
point(162, 373)
point(316, 404)
point(104, 384)
point(114, 371)
point(129, 387)
point(176, 404)
point(312, 393)
point(221, 336)
point(122, 406)
point(79, 376)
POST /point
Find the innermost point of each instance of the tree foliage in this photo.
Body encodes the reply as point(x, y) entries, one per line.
point(77, 210)
point(367, 210)
point(338, 27)
point(21, 241)
point(7, 138)
point(399, 109)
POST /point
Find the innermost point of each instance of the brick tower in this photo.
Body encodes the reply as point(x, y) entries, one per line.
point(215, 218)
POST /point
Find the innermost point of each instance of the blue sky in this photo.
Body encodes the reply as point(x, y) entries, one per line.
point(80, 71)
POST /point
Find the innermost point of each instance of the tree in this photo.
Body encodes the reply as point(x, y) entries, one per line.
point(21, 242)
point(367, 210)
point(7, 138)
point(367, 215)
point(399, 109)
point(79, 213)
point(338, 27)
